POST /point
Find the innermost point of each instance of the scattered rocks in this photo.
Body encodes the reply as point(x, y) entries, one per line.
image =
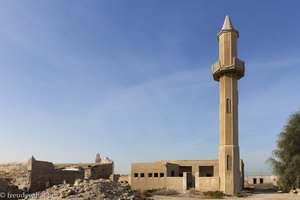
point(90, 190)
point(295, 192)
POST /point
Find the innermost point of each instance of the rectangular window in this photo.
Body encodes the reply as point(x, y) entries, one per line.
point(254, 181)
point(228, 105)
point(142, 175)
point(155, 174)
point(161, 175)
point(136, 175)
point(149, 174)
point(229, 162)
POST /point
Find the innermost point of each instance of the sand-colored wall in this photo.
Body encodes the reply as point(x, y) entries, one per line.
point(147, 183)
point(207, 183)
point(141, 179)
point(146, 168)
point(102, 171)
point(266, 179)
point(196, 163)
point(36, 175)
point(175, 183)
point(43, 174)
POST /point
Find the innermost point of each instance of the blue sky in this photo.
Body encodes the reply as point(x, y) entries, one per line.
point(132, 79)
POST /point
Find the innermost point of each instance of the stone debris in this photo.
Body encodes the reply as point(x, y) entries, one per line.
point(295, 192)
point(89, 190)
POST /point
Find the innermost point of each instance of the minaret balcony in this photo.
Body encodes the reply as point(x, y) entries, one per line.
point(237, 68)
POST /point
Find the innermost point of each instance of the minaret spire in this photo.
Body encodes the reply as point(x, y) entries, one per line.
point(227, 25)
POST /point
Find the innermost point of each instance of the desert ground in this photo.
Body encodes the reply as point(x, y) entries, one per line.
point(255, 194)
point(270, 196)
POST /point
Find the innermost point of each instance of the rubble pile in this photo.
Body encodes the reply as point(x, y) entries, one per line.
point(89, 190)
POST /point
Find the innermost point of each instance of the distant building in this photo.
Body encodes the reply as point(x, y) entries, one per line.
point(261, 179)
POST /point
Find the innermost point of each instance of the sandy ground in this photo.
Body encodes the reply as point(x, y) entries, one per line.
point(253, 195)
point(273, 196)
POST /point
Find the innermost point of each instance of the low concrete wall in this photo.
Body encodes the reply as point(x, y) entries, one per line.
point(147, 183)
point(175, 183)
point(207, 183)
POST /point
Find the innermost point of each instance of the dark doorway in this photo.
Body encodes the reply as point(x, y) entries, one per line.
point(254, 181)
point(261, 180)
point(190, 176)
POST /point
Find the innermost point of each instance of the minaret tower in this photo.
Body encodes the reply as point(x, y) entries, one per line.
point(228, 70)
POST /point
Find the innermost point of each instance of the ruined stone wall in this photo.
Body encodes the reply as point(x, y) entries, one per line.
point(37, 175)
point(69, 176)
point(102, 171)
point(43, 175)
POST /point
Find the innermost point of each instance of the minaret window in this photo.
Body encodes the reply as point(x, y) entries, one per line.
point(229, 162)
point(228, 105)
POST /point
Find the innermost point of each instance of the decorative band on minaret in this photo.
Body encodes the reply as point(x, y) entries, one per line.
point(228, 70)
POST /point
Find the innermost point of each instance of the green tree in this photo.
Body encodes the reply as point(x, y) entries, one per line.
point(285, 159)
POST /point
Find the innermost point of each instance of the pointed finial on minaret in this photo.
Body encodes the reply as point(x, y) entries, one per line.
point(227, 26)
point(227, 23)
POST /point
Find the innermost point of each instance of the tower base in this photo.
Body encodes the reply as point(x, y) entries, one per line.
point(229, 169)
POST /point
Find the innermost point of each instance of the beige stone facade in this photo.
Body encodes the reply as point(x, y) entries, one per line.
point(225, 174)
point(202, 175)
